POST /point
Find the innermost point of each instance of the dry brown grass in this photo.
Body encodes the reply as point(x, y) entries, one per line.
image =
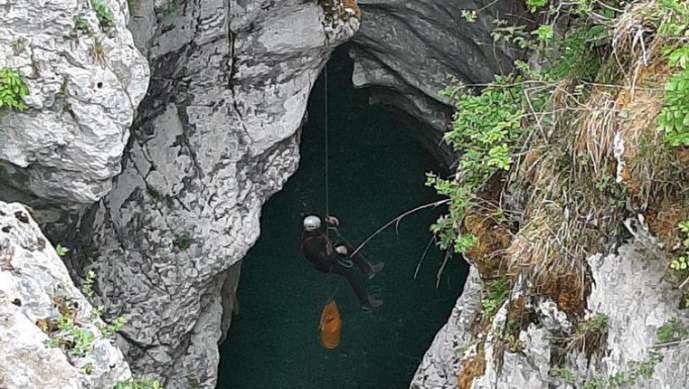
point(663, 220)
point(596, 132)
point(493, 239)
point(573, 204)
point(353, 6)
point(472, 368)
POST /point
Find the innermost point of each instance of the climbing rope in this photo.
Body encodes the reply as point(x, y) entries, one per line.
point(325, 104)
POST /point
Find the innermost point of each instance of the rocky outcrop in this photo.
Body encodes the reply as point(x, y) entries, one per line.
point(85, 80)
point(217, 134)
point(35, 294)
point(440, 366)
point(407, 52)
point(630, 288)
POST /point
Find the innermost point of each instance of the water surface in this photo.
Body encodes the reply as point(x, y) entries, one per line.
point(377, 171)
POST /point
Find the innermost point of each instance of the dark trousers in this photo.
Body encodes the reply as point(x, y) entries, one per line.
point(354, 281)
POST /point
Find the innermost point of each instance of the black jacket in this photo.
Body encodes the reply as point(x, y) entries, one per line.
point(319, 249)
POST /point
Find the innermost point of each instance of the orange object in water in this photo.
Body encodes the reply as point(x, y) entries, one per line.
point(330, 326)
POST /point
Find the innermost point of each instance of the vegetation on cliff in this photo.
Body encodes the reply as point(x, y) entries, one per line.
point(555, 156)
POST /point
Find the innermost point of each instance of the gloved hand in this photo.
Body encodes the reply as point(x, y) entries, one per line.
point(333, 221)
point(342, 250)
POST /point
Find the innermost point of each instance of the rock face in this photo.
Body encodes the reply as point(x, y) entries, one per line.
point(630, 288)
point(440, 365)
point(215, 137)
point(85, 81)
point(407, 52)
point(34, 288)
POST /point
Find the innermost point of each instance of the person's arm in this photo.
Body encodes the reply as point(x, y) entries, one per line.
point(332, 221)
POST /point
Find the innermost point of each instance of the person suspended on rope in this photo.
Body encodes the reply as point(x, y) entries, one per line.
point(329, 257)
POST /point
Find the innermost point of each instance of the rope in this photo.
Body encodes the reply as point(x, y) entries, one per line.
point(327, 183)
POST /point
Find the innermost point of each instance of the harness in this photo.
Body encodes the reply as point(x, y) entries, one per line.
point(345, 262)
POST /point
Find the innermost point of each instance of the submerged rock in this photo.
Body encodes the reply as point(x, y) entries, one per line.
point(35, 292)
point(85, 79)
point(217, 135)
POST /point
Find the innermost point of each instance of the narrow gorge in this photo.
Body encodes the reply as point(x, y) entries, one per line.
point(158, 159)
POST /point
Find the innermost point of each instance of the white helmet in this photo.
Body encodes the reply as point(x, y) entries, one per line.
point(312, 223)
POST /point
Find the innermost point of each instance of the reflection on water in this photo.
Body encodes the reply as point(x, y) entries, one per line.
point(376, 172)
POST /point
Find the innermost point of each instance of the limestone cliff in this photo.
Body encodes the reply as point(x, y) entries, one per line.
point(37, 298)
point(407, 52)
point(216, 135)
point(85, 80)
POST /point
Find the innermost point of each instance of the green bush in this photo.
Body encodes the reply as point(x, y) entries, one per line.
point(103, 14)
point(673, 120)
point(72, 338)
point(484, 129)
point(12, 90)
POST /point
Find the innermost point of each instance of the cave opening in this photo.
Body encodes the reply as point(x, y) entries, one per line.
point(377, 171)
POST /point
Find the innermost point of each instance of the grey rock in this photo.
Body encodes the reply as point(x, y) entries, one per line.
point(216, 136)
point(84, 88)
point(407, 52)
point(32, 277)
point(630, 287)
point(441, 363)
point(633, 290)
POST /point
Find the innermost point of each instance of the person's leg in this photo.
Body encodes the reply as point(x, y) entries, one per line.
point(354, 282)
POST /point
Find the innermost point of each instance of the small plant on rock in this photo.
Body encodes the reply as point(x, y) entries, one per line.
point(672, 331)
point(182, 243)
point(494, 296)
point(596, 325)
point(139, 383)
point(80, 25)
point(61, 250)
point(590, 335)
point(469, 15)
point(565, 375)
point(103, 14)
point(12, 90)
point(681, 263)
point(71, 337)
point(109, 330)
point(87, 286)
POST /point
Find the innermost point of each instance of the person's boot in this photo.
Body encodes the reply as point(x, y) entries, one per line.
point(373, 303)
point(375, 269)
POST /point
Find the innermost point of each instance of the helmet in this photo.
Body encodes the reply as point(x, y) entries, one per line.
point(312, 223)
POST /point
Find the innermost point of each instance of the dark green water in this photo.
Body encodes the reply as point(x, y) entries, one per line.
point(377, 172)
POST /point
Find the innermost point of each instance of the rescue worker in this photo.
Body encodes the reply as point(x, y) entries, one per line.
point(328, 257)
